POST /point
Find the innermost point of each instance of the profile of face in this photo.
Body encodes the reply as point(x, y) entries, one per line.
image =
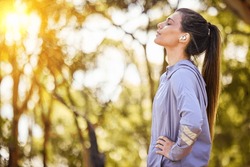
point(169, 31)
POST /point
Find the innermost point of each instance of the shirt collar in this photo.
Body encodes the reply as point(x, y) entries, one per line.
point(171, 69)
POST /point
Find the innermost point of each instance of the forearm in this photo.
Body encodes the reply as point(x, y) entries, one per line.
point(186, 138)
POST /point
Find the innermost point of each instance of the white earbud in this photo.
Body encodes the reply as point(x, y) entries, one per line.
point(183, 38)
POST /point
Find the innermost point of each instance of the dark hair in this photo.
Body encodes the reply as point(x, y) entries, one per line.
point(205, 37)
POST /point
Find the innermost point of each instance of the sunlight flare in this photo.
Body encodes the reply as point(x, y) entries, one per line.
point(15, 23)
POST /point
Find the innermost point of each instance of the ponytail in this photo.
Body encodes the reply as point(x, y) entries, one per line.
point(205, 37)
point(211, 74)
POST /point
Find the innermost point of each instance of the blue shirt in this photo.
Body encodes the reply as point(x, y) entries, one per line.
point(179, 113)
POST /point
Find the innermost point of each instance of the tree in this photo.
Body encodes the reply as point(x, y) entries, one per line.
point(87, 107)
point(233, 112)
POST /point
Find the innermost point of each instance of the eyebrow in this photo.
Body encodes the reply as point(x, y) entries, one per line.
point(170, 19)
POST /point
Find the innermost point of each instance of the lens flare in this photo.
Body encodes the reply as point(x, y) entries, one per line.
point(14, 23)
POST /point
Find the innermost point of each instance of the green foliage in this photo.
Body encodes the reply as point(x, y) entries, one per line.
point(67, 83)
point(231, 142)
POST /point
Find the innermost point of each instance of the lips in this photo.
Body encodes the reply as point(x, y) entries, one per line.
point(158, 33)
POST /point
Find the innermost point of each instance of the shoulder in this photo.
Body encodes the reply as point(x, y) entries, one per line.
point(183, 79)
point(183, 75)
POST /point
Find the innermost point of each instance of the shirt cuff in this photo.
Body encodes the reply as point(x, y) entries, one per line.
point(186, 138)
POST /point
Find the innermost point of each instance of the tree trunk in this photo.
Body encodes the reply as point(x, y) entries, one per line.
point(85, 156)
point(47, 124)
point(13, 144)
point(46, 141)
point(149, 72)
point(240, 8)
point(97, 159)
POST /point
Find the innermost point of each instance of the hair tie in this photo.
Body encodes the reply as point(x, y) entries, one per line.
point(208, 24)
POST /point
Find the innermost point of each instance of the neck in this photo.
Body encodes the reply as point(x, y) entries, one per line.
point(175, 55)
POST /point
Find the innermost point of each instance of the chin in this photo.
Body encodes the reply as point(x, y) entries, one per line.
point(158, 42)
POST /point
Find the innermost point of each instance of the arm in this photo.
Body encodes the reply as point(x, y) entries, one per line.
point(190, 118)
point(176, 151)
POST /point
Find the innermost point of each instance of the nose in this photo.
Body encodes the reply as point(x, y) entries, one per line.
point(160, 25)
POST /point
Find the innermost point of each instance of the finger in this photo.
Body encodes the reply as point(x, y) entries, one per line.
point(160, 142)
point(165, 138)
point(162, 138)
point(159, 152)
point(159, 146)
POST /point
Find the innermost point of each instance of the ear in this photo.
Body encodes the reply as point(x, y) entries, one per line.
point(184, 38)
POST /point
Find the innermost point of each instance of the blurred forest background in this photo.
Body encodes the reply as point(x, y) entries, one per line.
point(78, 78)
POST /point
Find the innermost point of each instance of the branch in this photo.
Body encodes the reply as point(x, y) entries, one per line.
point(237, 32)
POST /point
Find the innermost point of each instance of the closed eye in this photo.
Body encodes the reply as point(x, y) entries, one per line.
point(169, 20)
point(167, 23)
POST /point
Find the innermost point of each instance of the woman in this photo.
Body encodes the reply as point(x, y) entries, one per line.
point(184, 106)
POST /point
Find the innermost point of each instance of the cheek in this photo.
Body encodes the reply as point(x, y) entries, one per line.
point(171, 33)
point(170, 38)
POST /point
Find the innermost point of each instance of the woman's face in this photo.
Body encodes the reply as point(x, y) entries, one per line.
point(169, 31)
